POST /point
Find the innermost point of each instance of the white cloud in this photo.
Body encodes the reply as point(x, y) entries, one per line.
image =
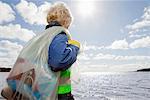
point(131, 32)
point(7, 14)
point(139, 58)
point(146, 15)
point(139, 25)
point(31, 13)
point(138, 43)
point(137, 36)
point(101, 56)
point(16, 32)
point(86, 47)
point(143, 23)
point(143, 42)
point(8, 46)
point(90, 47)
point(83, 56)
point(119, 44)
point(122, 44)
point(8, 58)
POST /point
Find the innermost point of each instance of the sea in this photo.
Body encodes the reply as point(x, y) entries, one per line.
point(107, 86)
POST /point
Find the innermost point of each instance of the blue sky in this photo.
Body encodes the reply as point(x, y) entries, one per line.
point(115, 34)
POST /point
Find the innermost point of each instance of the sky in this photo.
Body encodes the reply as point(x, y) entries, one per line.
point(114, 34)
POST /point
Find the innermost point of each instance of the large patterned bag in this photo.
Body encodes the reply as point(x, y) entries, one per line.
point(31, 75)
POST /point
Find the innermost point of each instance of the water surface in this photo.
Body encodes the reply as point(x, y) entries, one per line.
point(108, 86)
point(113, 86)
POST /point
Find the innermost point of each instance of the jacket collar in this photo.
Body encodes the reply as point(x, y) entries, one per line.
point(51, 24)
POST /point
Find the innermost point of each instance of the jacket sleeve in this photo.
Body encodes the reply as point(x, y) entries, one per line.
point(61, 54)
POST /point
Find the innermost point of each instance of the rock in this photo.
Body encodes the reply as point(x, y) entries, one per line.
point(5, 69)
point(144, 70)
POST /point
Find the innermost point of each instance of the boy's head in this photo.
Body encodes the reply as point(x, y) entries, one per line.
point(60, 13)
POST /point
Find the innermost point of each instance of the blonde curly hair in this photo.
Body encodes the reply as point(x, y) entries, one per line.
point(60, 12)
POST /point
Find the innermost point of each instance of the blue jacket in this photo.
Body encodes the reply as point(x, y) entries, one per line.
point(61, 55)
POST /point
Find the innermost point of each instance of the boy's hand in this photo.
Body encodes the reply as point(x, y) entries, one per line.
point(74, 42)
